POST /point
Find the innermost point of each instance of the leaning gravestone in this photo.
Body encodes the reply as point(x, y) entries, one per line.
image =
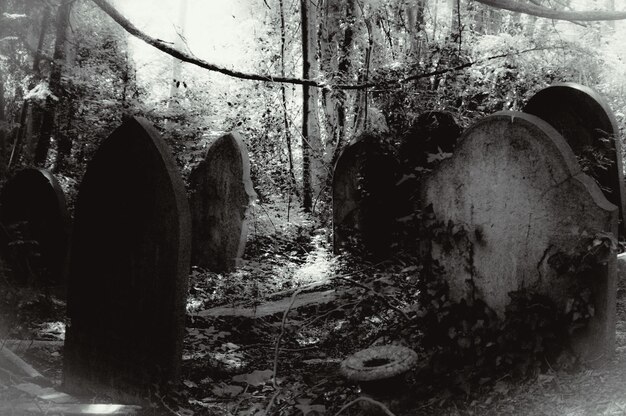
point(515, 190)
point(364, 182)
point(34, 202)
point(129, 267)
point(221, 191)
point(588, 125)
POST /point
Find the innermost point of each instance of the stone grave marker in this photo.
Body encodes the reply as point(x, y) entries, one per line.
point(34, 203)
point(516, 191)
point(221, 192)
point(129, 267)
point(364, 183)
point(588, 125)
point(433, 133)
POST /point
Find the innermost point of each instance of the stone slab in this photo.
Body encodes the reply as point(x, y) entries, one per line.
point(272, 308)
point(515, 187)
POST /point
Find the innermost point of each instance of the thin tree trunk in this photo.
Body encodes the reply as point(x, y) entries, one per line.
point(30, 117)
point(47, 125)
point(307, 197)
point(283, 92)
point(177, 63)
point(4, 131)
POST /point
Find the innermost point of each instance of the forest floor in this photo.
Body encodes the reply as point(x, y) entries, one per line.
point(268, 339)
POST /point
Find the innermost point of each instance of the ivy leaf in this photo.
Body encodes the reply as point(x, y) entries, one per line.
point(226, 390)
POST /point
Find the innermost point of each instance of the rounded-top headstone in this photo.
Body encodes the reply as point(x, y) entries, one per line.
point(588, 125)
point(516, 189)
point(221, 191)
point(364, 210)
point(34, 198)
point(129, 266)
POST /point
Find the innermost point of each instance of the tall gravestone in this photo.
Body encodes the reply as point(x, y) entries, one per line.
point(588, 125)
point(33, 202)
point(129, 267)
point(517, 190)
point(221, 192)
point(364, 208)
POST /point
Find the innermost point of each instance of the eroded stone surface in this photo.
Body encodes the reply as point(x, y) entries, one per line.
point(516, 192)
point(34, 202)
point(221, 195)
point(129, 267)
point(588, 125)
point(364, 207)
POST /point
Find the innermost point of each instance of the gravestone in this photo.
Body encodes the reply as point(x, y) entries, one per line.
point(431, 139)
point(221, 192)
point(433, 132)
point(588, 125)
point(129, 267)
point(515, 190)
point(34, 205)
point(364, 183)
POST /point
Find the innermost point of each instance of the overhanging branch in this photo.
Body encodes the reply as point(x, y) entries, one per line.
point(187, 57)
point(540, 11)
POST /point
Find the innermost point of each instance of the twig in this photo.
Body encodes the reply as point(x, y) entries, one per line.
point(384, 408)
point(380, 295)
point(280, 336)
point(277, 351)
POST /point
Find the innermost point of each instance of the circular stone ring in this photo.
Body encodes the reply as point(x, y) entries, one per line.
point(378, 363)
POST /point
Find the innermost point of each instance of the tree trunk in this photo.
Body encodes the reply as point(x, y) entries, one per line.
point(283, 93)
point(455, 24)
point(311, 143)
point(47, 125)
point(329, 65)
point(31, 115)
point(177, 63)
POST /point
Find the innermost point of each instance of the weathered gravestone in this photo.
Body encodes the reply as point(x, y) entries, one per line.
point(221, 191)
point(588, 125)
point(515, 190)
point(364, 182)
point(129, 267)
point(34, 206)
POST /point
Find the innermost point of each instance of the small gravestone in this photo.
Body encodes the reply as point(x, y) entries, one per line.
point(129, 267)
point(588, 125)
point(432, 138)
point(364, 211)
point(434, 133)
point(221, 191)
point(518, 200)
point(34, 211)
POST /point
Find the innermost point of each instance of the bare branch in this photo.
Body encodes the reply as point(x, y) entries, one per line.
point(186, 57)
point(540, 11)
